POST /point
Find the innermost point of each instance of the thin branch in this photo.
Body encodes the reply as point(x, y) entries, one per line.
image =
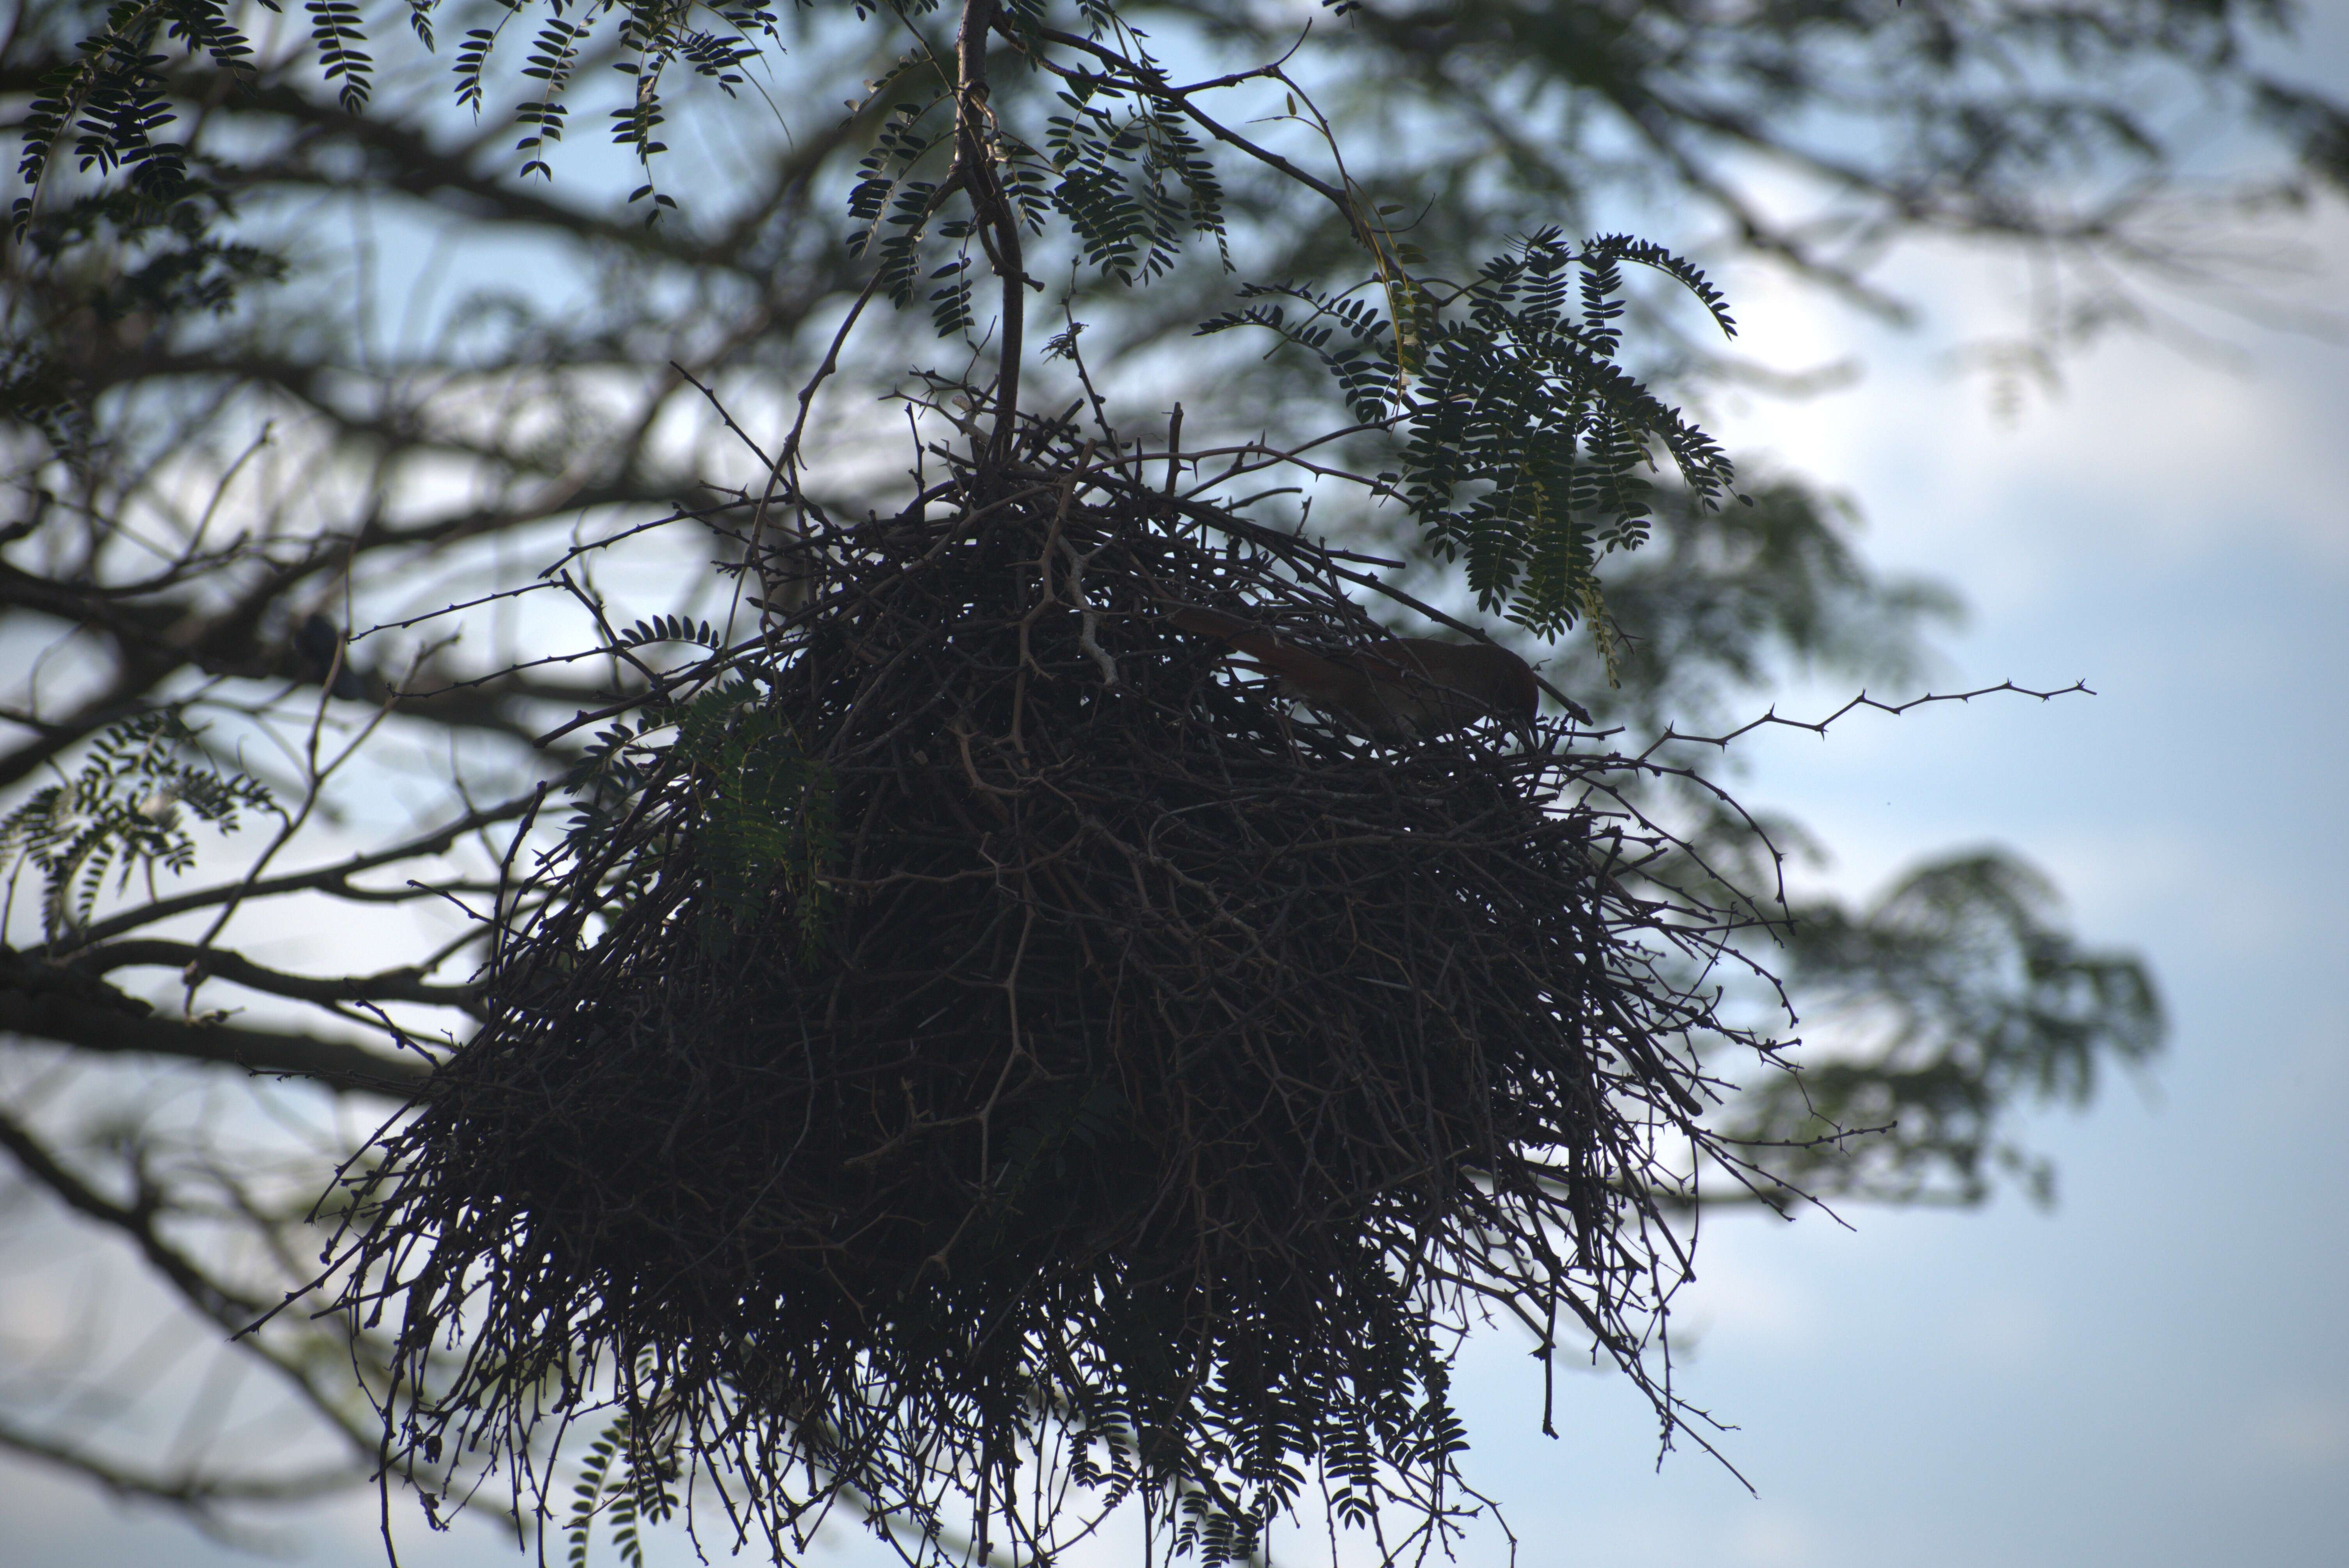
point(1819, 725)
point(334, 879)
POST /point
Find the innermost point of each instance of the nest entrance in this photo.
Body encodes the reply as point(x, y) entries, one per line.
point(977, 1046)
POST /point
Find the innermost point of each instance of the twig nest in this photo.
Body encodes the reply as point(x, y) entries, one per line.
point(976, 1040)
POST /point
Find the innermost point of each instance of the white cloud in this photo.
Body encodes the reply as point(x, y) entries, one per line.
point(2147, 458)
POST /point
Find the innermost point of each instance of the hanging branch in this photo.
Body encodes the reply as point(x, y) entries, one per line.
point(997, 226)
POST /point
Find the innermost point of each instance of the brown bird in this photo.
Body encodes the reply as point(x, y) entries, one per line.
point(1396, 689)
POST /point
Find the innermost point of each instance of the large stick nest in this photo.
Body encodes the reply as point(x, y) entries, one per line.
point(982, 1041)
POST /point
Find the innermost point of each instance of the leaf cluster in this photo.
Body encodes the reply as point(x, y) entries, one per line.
point(1524, 437)
point(654, 37)
point(1113, 173)
point(630, 1480)
point(1110, 166)
point(764, 815)
point(1959, 994)
point(123, 814)
point(114, 100)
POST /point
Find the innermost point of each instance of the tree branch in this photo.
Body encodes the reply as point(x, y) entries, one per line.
point(91, 1026)
point(404, 985)
point(328, 879)
point(187, 1490)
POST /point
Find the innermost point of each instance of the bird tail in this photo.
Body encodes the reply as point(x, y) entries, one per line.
point(1241, 634)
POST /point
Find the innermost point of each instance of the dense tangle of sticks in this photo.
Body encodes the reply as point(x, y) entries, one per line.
point(980, 1055)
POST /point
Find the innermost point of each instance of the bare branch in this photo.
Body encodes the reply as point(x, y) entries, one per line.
point(110, 1031)
point(330, 878)
point(190, 1489)
point(403, 984)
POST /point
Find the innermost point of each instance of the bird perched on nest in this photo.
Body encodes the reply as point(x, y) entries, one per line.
point(1400, 688)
